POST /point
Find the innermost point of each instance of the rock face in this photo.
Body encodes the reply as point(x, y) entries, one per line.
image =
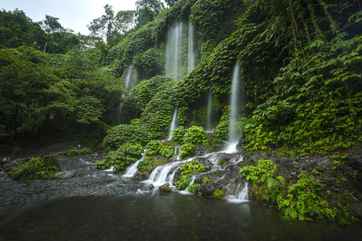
point(222, 173)
point(165, 188)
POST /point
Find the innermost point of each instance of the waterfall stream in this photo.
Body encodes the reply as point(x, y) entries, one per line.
point(164, 174)
point(173, 52)
point(191, 49)
point(173, 125)
point(234, 132)
point(132, 170)
point(209, 113)
point(240, 196)
point(129, 80)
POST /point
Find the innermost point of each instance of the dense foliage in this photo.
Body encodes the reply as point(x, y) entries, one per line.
point(35, 168)
point(302, 200)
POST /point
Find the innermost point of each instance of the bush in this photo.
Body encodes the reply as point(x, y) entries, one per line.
point(149, 63)
point(123, 157)
point(144, 91)
point(187, 170)
point(195, 135)
point(302, 200)
point(35, 168)
point(187, 150)
point(118, 135)
point(178, 135)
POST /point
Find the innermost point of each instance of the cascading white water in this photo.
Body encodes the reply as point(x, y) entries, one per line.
point(161, 174)
point(178, 152)
point(241, 196)
point(132, 170)
point(173, 125)
point(187, 191)
point(173, 52)
point(209, 112)
point(234, 132)
point(191, 57)
point(128, 79)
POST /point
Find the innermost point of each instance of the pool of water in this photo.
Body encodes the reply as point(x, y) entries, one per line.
point(171, 217)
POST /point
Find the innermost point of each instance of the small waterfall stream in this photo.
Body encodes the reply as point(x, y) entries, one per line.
point(241, 194)
point(129, 77)
point(164, 174)
point(191, 56)
point(173, 125)
point(234, 132)
point(173, 51)
point(132, 170)
point(209, 113)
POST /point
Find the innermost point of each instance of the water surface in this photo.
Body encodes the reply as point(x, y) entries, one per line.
point(170, 217)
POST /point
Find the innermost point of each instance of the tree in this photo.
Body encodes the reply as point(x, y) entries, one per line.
point(147, 10)
point(17, 29)
point(110, 25)
point(51, 24)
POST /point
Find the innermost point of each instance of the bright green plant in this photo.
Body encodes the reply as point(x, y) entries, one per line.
point(187, 150)
point(120, 159)
point(35, 168)
point(195, 135)
point(187, 170)
point(304, 201)
point(218, 193)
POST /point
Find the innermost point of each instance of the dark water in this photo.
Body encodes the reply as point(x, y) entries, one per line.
point(167, 217)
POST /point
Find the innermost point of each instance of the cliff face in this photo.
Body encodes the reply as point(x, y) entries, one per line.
point(300, 70)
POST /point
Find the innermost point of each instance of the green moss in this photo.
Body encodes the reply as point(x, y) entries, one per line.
point(78, 151)
point(35, 168)
point(218, 193)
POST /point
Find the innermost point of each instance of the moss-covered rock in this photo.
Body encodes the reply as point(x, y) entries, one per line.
point(35, 168)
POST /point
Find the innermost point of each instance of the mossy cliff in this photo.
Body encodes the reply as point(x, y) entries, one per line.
point(301, 68)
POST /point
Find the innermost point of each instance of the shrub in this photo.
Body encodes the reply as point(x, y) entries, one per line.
point(195, 135)
point(187, 170)
point(121, 134)
point(120, 159)
point(35, 168)
point(178, 134)
point(304, 201)
point(149, 63)
point(187, 150)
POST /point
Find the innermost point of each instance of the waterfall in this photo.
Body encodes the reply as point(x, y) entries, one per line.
point(209, 113)
point(190, 49)
point(173, 125)
point(234, 132)
point(132, 170)
point(187, 191)
point(178, 152)
point(128, 81)
point(174, 51)
point(161, 174)
point(240, 196)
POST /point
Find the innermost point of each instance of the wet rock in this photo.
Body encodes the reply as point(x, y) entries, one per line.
point(165, 188)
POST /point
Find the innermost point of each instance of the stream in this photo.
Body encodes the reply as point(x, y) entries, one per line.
point(88, 204)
